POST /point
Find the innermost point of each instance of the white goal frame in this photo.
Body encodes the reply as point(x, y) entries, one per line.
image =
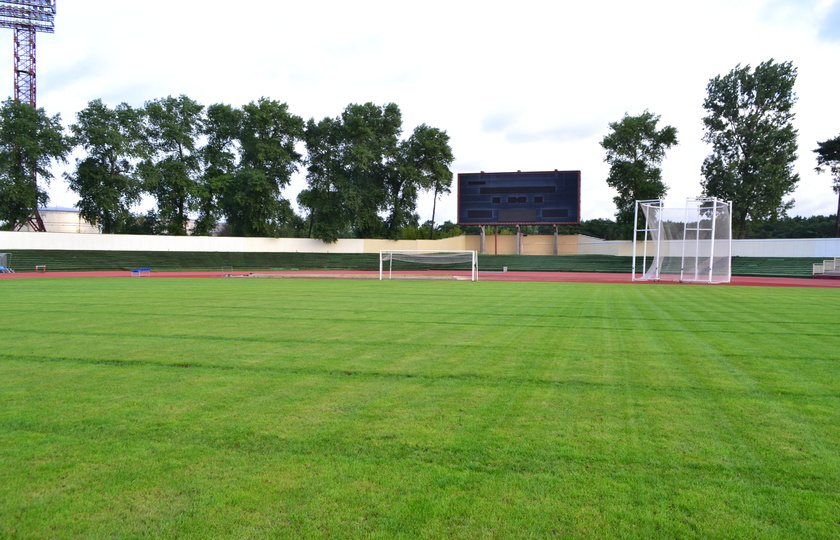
point(426, 256)
point(693, 244)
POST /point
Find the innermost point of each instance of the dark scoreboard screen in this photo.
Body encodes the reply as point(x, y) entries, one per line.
point(520, 198)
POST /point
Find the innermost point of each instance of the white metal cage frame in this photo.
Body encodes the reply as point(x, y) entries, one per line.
point(430, 257)
point(691, 244)
point(5, 262)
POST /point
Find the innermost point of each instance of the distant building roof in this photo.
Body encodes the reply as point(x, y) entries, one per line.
point(59, 209)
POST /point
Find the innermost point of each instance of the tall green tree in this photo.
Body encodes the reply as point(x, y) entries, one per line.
point(29, 141)
point(252, 201)
point(750, 127)
point(828, 155)
point(105, 180)
point(370, 147)
point(220, 161)
point(440, 188)
point(328, 217)
point(351, 159)
point(171, 174)
point(425, 158)
point(363, 178)
point(635, 149)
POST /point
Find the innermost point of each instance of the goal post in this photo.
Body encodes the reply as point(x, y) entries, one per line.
point(423, 259)
point(691, 244)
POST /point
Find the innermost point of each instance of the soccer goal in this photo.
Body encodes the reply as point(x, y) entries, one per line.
point(416, 264)
point(692, 244)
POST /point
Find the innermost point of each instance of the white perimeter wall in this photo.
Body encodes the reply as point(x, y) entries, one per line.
point(807, 247)
point(10, 241)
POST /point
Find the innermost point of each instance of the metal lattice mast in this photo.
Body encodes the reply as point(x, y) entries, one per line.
point(26, 18)
point(25, 64)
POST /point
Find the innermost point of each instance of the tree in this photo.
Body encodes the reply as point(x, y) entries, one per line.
point(635, 149)
point(359, 170)
point(105, 180)
point(426, 157)
point(828, 155)
point(351, 159)
point(252, 200)
point(795, 227)
point(600, 228)
point(749, 126)
point(440, 188)
point(171, 173)
point(368, 154)
point(220, 160)
point(327, 213)
point(29, 141)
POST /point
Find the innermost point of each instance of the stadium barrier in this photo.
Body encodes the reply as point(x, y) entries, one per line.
point(826, 248)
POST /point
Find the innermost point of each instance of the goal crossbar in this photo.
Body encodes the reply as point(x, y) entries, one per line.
point(427, 257)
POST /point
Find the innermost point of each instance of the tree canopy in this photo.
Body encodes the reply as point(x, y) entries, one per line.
point(635, 149)
point(29, 141)
point(105, 180)
point(267, 138)
point(219, 159)
point(426, 157)
point(359, 170)
point(171, 171)
point(828, 156)
point(750, 127)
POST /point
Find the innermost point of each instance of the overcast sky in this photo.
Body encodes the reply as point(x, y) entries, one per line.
point(527, 85)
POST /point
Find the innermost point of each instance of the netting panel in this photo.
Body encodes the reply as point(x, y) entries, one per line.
point(464, 259)
point(686, 244)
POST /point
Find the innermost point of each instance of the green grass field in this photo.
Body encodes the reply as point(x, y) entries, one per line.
point(237, 408)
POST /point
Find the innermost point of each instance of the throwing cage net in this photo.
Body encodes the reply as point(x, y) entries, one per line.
point(5, 261)
point(692, 244)
point(394, 260)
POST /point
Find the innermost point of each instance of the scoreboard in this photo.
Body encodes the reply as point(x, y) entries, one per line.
point(520, 198)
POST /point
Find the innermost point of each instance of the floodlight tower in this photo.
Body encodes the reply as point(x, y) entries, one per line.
point(26, 18)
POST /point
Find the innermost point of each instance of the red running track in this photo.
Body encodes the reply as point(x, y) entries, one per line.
point(565, 277)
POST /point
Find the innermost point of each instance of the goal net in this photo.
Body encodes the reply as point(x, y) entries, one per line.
point(692, 244)
point(418, 264)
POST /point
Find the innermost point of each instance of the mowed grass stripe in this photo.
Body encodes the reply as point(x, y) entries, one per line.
point(488, 359)
point(346, 409)
point(663, 316)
